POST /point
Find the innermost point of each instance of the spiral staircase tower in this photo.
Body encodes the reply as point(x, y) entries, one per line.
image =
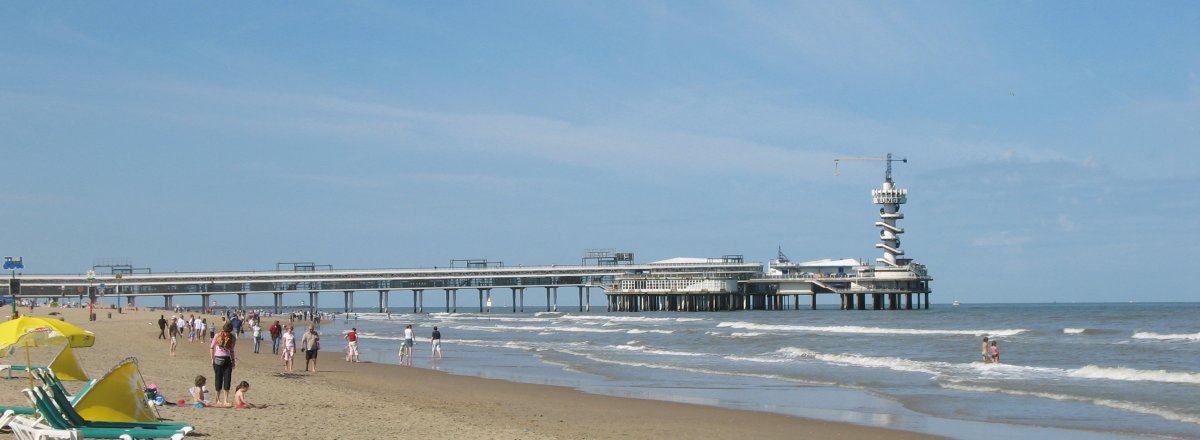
point(889, 197)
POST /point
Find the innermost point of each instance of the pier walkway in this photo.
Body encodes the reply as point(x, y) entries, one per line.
point(482, 280)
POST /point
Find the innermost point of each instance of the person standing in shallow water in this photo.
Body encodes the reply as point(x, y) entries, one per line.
point(436, 343)
point(995, 353)
point(987, 358)
point(406, 348)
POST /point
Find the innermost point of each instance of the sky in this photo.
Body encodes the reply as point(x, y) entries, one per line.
point(1051, 146)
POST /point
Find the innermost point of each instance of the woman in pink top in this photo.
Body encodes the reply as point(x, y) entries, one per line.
point(221, 351)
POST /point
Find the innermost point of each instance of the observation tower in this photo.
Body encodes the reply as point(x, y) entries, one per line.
point(889, 198)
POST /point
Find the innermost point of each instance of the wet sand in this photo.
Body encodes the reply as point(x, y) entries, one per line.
point(370, 400)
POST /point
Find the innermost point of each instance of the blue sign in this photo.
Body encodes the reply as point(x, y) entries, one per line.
point(13, 263)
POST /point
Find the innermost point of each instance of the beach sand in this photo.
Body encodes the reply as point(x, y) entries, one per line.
point(369, 400)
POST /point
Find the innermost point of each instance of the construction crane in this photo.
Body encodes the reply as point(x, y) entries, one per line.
point(887, 176)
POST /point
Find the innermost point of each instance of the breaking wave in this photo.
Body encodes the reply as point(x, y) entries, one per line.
point(865, 330)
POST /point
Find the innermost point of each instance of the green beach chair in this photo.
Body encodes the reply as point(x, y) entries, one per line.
point(53, 417)
point(72, 416)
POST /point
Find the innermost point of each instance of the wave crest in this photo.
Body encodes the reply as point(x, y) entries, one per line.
point(1176, 337)
point(1132, 374)
point(865, 330)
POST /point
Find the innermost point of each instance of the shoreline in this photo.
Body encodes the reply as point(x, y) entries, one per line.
point(381, 400)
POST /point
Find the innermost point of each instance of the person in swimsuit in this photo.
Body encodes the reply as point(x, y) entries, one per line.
point(987, 358)
point(995, 353)
point(240, 397)
point(200, 393)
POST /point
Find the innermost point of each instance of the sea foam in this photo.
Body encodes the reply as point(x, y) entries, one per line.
point(1177, 337)
point(1122, 373)
point(864, 330)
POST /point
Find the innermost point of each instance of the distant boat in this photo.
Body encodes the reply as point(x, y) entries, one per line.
point(955, 302)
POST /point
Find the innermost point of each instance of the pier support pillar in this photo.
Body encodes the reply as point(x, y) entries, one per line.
point(908, 301)
point(276, 302)
point(522, 297)
point(926, 300)
point(514, 298)
point(312, 302)
point(581, 298)
point(587, 299)
point(383, 303)
point(862, 301)
point(347, 301)
point(204, 301)
point(814, 302)
point(241, 298)
point(485, 299)
point(168, 303)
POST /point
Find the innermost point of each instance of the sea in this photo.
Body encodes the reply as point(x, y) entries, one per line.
point(1067, 371)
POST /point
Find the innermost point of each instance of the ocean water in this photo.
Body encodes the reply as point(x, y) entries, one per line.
point(1068, 371)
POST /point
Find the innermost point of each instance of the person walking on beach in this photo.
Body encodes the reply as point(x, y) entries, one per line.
point(352, 345)
point(257, 335)
point(407, 348)
point(289, 348)
point(995, 353)
point(436, 342)
point(987, 358)
point(222, 353)
point(276, 333)
point(174, 337)
point(311, 343)
point(162, 327)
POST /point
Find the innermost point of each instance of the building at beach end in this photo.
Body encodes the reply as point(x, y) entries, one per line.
point(894, 282)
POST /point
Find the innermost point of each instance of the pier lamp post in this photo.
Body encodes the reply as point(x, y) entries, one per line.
point(14, 285)
point(118, 293)
point(91, 278)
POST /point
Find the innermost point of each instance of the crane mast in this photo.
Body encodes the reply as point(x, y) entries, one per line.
point(887, 174)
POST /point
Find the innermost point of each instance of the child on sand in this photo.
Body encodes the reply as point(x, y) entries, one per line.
point(200, 393)
point(240, 397)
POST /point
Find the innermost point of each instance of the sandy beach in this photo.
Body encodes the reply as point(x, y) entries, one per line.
point(370, 400)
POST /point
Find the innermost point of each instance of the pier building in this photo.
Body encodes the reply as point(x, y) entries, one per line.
point(893, 284)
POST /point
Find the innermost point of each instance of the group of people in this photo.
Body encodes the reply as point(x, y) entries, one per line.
point(223, 343)
point(406, 347)
point(991, 353)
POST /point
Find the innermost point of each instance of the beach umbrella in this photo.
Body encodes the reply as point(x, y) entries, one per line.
point(40, 332)
point(12, 330)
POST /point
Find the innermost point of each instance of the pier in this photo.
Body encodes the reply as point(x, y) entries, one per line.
point(200, 288)
point(725, 283)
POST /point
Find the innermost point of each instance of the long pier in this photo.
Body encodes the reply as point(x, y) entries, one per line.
point(450, 281)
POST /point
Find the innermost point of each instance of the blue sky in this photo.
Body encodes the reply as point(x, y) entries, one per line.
point(1052, 145)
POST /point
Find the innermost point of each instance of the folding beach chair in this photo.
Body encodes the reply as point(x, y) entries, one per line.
point(52, 416)
point(26, 428)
